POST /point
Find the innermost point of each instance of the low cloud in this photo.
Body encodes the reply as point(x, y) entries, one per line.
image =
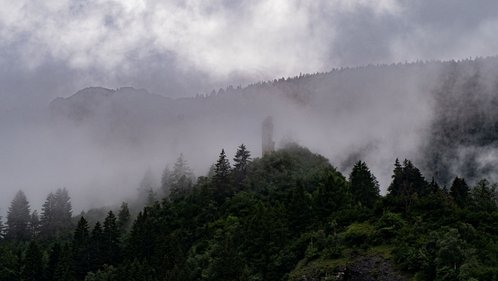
point(112, 43)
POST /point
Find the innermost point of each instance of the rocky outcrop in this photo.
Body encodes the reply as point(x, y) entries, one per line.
point(370, 269)
point(364, 268)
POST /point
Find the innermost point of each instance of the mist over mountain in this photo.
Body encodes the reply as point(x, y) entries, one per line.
point(100, 141)
point(439, 114)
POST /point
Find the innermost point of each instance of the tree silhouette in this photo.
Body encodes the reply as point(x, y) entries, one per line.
point(18, 218)
point(221, 178)
point(33, 263)
point(459, 191)
point(364, 185)
point(241, 160)
point(81, 255)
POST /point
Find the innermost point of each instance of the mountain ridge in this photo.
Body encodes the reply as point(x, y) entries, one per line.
point(361, 110)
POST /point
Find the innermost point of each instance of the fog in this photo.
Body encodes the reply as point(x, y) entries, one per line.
point(176, 50)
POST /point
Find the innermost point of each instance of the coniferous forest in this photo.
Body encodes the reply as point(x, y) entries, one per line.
point(289, 215)
point(248, 140)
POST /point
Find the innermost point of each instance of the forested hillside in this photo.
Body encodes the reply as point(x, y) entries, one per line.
point(289, 215)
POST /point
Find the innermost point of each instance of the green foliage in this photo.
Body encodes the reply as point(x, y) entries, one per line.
point(68, 266)
point(459, 191)
point(389, 226)
point(242, 160)
point(81, 250)
point(18, 218)
point(2, 229)
point(33, 268)
point(332, 195)
point(97, 247)
point(181, 180)
point(221, 178)
point(364, 185)
point(484, 197)
point(55, 220)
point(124, 218)
point(407, 186)
point(10, 263)
point(107, 273)
point(111, 248)
point(290, 215)
point(358, 234)
point(54, 259)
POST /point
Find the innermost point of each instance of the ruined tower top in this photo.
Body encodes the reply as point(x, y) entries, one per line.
point(267, 136)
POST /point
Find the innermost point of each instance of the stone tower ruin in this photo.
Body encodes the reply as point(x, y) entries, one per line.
point(268, 145)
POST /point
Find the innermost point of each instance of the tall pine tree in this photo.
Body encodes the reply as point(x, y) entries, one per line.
point(47, 220)
point(181, 179)
point(408, 184)
point(34, 224)
point(97, 246)
point(459, 191)
point(2, 229)
point(54, 258)
point(221, 178)
point(55, 221)
point(33, 268)
point(241, 160)
point(111, 240)
point(124, 218)
point(81, 251)
point(364, 185)
point(18, 218)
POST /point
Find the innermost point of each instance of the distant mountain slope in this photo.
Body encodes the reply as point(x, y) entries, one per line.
point(440, 114)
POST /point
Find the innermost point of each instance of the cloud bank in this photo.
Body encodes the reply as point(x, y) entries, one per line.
point(179, 48)
point(183, 47)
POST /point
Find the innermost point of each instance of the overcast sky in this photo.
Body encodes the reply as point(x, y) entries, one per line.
point(179, 48)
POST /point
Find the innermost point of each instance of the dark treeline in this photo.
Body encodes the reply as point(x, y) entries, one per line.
point(289, 215)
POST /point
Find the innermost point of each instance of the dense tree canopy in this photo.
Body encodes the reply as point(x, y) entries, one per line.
point(292, 217)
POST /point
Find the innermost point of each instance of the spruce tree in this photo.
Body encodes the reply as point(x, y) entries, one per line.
point(2, 229)
point(141, 242)
point(364, 185)
point(111, 245)
point(221, 178)
point(242, 160)
point(54, 258)
point(147, 188)
point(181, 179)
point(81, 255)
point(484, 196)
point(165, 181)
point(298, 209)
point(222, 168)
point(331, 195)
point(459, 191)
point(34, 224)
point(65, 269)
point(124, 218)
point(47, 219)
point(63, 212)
point(18, 218)
point(55, 221)
point(32, 269)
point(97, 246)
point(407, 184)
